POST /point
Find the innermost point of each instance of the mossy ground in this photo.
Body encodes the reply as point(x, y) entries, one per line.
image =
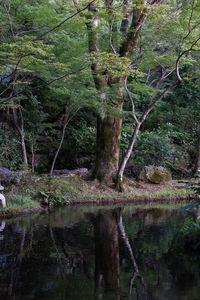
point(35, 192)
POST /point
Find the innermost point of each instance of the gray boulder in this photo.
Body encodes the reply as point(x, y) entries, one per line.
point(4, 171)
point(70, 172)
point(8, 176)
point(153, 174)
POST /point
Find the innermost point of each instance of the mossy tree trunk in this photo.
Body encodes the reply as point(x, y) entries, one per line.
point(109, 125)
point(108, 147)
point(109, 128)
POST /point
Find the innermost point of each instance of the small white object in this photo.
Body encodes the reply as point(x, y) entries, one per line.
point(3, 200)
point(2, 226)
point(1, 188)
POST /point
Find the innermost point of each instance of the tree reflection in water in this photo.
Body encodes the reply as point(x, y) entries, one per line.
point(136, 273)
point(107, 267)
point(2, 227)
point(108, 254)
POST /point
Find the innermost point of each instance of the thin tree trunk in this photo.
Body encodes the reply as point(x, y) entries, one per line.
point(20, 129)
point(32, 159)
point(25, 159)
point(59, 148)
point(67, 119)
point(24, 153)
point(119, 182)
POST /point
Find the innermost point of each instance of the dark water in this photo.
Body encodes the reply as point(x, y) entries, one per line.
point(106, 253)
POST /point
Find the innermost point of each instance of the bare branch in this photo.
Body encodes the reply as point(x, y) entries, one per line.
point(181, 55)
point(7, 9)
point(29, 31)
point(132, 101)
point(158, 99)
point(110, 41)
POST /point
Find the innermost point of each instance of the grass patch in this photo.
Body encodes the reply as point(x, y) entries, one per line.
point(36, 191)
point(23, 201)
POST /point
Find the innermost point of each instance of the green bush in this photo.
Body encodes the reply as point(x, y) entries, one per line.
point(154, 148)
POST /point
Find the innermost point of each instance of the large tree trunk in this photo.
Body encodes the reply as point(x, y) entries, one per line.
point(109, 125)
point(108, 147)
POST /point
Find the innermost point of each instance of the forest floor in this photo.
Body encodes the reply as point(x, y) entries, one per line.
point(36, 193)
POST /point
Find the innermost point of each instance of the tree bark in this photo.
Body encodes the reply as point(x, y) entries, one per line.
point(108, 147)
point(109, 128)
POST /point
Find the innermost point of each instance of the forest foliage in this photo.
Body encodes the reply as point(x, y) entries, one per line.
point(48, 95)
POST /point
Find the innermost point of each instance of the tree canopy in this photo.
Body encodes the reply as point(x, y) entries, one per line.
point(129, 63)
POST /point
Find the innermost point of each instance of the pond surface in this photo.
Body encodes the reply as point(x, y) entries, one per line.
point(101, 253)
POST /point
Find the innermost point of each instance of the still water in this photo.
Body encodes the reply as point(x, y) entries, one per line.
point(110, 253)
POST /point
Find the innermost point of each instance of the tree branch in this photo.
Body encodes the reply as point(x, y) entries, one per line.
point(67, 19)
point(40, 86)
point(7, 9)
point(132, 101)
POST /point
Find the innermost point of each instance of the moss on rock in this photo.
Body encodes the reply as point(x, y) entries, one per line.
point(157, 175)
